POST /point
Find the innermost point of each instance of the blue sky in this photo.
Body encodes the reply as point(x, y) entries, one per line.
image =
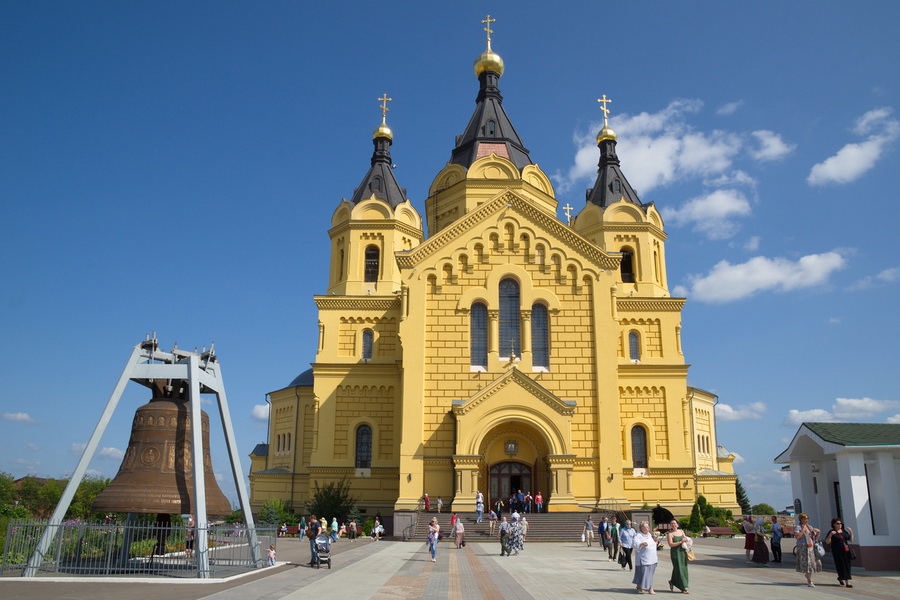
point(174, 166)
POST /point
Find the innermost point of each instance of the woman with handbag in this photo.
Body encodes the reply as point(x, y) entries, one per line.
point(807, 558)
point(760, 550)
point(434, 535)
point(840, 538)
point(677, 539)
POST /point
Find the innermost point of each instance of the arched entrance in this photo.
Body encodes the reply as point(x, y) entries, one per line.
point(507, 478)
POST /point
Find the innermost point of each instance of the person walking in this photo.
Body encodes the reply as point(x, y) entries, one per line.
point(334, 529)
point(807, 560)
point(492, 523)
point(760, 551)
point(645, 559)
point(516, 541)
point(587, 532)
point(459, 531)
point(677, 540)
point(749, 537)
point(529, 500)
point(524, 523)
point(504, 537)
point(301, 528)
point(427, 502)
point(479, 506)
point(777, 534)
point(840, 537)
point(270, 556)
point(434, 533)
point(351, 530)
point(498, 506)
point(440, 504)
point(602, 526)
point(538, 502)
point(626, 540)
point(612, 534)
point(311, 532)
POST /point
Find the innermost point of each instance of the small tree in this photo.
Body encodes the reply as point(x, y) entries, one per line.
point(762, 509)
point(274, 512)
point(695, 524)
point(741, 494)
point(333, 500)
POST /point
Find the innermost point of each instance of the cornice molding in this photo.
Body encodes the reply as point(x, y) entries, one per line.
point(344, 303)
point(377, 225)
point(506, 200)
point(650, 304)
point(563, 407)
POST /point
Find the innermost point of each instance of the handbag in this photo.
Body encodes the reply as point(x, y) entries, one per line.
point(852, 554)
point(582, 536)
point(622, 560)
point(820, 548)
point(690, 555)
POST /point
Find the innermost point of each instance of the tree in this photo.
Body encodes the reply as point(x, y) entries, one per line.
point(762, 509)
point(275, 512)
point(742, 499)
point(82, 504)
point(695, 524)
point(333, 500)
point(7, 489)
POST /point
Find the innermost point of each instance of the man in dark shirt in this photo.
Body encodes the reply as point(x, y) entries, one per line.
point(504, 537)
point(311, 532)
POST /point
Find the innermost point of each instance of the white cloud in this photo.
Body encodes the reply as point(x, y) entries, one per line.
point(713, 214)
point(862, 408)
point(725, 412)
point(730, 108)
point(19, 417)
point(752, 245)
point(738, 459)
point(771, 146)
point(889, 274)
point(27, 463)
point(894, 419)
point(661, 148)
point(853, 160)
point(113, 453)
point(816, 415)
point(261, 412)
point(727, 282)
point(77, 447)
point(31, 447)
point(835, 320)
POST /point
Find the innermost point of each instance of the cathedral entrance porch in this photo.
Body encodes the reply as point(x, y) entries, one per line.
point(507, 478)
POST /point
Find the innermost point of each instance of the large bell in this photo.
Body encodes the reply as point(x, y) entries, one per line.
point(156, 475)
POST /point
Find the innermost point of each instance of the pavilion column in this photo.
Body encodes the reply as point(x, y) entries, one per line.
point(493, 336)
point(466, 468)
point(854, 493)
point(561, 467)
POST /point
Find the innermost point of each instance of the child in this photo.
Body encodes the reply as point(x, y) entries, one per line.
point(272, 555)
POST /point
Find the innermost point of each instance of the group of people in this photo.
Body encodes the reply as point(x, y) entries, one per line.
point(645, 544)
point(609, 532)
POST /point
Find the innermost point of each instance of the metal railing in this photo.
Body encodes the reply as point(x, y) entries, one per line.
point(135, 550)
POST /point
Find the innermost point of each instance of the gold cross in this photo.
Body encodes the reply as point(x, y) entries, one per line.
point(384, 109)
point(566, 209)
point(488, 29)
point(604, 101)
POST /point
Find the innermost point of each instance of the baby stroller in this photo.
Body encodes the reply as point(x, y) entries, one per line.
point(323, 549)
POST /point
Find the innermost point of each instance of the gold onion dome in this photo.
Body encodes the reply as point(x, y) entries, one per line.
point(488, 61)
point(606, 134)
point(383, 131)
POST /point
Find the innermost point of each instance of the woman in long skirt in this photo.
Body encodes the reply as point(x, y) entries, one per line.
point(760, 550)
point(645, 559)
point(516, 543)
point(807, 560)
point(676, 539)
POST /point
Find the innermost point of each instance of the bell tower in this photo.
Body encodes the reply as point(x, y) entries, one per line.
point(615, 219)
point(375, 223)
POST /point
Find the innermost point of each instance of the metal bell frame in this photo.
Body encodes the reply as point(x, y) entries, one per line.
point(203, 374)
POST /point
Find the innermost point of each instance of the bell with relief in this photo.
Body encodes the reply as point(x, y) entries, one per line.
point(156, 475)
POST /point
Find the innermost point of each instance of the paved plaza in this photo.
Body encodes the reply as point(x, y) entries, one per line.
point(403, 570)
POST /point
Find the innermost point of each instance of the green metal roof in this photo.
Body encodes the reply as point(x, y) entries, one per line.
point(857, 434)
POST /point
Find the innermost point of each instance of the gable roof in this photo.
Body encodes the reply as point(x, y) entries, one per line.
point(857, 434)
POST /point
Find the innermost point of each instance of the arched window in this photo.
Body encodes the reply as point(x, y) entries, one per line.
point(540, 337)
point(634, 345)
point(288, 445)
point(363, 447)
point(627, 267)
point(278, 443)
point(367, 338)
point(639, 447)
point(478, 335)
point(509, 318)
point(376, 184)
point(372, 255)
point(491, 128)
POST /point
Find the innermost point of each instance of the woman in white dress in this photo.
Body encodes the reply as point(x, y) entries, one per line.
point(645, 558)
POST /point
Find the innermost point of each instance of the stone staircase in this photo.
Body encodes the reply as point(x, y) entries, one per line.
point(544, 527)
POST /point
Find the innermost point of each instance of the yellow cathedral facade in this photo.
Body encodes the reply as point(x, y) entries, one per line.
point(505, 350)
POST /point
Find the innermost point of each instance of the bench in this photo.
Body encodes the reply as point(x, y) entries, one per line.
point(719, 531)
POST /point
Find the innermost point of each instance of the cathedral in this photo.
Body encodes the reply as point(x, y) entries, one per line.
point(505, 350)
